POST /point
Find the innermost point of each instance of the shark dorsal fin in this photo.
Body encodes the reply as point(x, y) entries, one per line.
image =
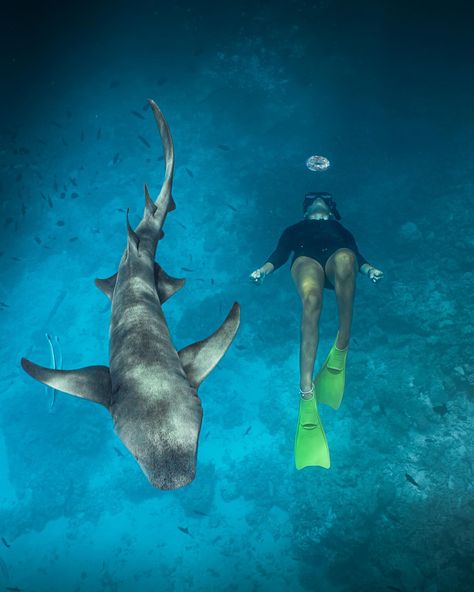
point(198, 359)
point(92, 382)
point(165, 284)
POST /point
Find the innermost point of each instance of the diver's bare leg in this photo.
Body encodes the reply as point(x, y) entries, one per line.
point(308, 276)
point(341, 269)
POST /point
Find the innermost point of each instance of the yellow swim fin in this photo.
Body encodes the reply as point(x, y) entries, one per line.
point(311, 447)
point(330, 381)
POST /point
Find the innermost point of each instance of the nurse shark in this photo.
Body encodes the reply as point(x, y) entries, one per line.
point(149, 388)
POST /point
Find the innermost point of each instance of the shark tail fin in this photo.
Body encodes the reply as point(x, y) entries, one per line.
point(165, 284)
point(198, 359)
point(91, 382)
point(164, 202)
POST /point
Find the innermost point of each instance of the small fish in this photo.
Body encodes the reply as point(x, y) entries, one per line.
point(199, 513)
point(38, 174)
point(23, 209)
point(62, 195)
point(146, 106)
point(160, 158)
point(185, 530)
point(50, 202)
point(18, 177)
point(230, 206)
point(212, 281)
point(69, 114)
point(181, 224)
point(121, 210)
point(186, 269)
point(38, 240)
point(73, 181)
point(145, 141)
point(116, 158)
point(40, 141)
point(55, 186)
point(99, 133)
point(410, 479)
point(247, 431)
point(137, 114)
point(64, 141)
point(60, 223)
point(189, 171)
point(215, 539)
point(114, 84)
point(240, 347)
point(73, 238)
point(5, 543)
point(13, 589)
point(16, 259)
point(119, 452)
point(55, 123)
point(82, 136)
point(440, 409)
point(394, 588)
point(74, 195)
point(161, 81)
point(43, 196)
point(223, 147)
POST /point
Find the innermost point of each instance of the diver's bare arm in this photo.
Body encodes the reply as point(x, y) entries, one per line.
point(267, 268)
point(365, 268)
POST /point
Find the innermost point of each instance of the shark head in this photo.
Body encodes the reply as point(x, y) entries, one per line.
point(164, 442)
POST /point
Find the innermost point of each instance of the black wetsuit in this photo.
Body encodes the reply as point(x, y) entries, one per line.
point(317, 239)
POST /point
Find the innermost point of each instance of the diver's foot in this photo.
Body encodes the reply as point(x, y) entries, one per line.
point(342, 344)
point(307, 393)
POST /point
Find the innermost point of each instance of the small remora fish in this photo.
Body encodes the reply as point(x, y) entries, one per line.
point(137, 114)
point(199, 513)
point(185, 530)
point(223, 147)
point(189, 171)
point(186, 269)
point(410, 479)
point(247, 431)
point(145, 141)
point(3, 538)
point(230, 206)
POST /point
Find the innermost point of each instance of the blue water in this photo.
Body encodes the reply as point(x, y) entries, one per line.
point(249, 92)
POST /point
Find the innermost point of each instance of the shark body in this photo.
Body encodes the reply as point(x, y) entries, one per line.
point(149, 388)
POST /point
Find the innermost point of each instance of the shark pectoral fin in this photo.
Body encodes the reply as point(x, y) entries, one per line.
point(166, 285)
point(91, 382)
point(107, 286)
point(199, 358)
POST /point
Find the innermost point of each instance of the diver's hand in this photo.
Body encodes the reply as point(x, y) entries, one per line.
point(257, 276)
point(375, 274)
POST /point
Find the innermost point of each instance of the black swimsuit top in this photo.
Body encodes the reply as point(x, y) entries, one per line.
point(313, 238)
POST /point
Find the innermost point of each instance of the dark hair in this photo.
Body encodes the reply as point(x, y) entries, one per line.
point(327, 197)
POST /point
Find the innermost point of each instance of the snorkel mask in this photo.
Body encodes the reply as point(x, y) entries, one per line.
point(326, 197)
